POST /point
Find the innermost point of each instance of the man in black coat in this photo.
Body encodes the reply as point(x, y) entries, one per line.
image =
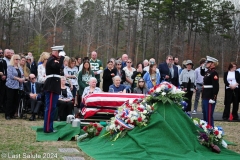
point(34, 94)
point(3, 76)
point(52, 86)
point(169, 72)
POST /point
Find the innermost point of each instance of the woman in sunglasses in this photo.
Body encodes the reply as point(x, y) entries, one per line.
point(14, 83)
point(141, 87)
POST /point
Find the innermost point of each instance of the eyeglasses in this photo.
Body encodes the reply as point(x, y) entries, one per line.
point(170, 59)
point(129, 62)
point(17, 59)
point(119, 64)
point(1, 52)
point(33, 78)
point(140, 81)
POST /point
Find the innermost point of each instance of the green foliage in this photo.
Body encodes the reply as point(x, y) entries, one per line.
point(37, 46)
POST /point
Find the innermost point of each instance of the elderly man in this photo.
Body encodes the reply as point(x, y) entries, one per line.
point(124, 60)
point(96, 66)
point(117, 87)
point(34, 93)
point(52, 86)
point(169, 72)
point(145, 63)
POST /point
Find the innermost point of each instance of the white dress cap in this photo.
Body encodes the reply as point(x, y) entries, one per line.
point(211, 59)
point(57, 48)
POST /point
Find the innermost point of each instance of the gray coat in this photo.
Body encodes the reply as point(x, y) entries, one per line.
point(184, 77)
point(139, 91)
point(11, 82)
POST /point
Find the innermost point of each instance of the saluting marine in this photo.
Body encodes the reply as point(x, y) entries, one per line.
point(52, 86)
point(210, 89)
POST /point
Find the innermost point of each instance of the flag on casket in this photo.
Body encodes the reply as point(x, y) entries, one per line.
point(105, 102)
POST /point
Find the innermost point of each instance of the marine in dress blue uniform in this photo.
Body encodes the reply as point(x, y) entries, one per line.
point(52, 86)
point(210, 89)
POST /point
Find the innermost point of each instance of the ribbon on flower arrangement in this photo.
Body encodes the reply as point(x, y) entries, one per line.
point(123, 124)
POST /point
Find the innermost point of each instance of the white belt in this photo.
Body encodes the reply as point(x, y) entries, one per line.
point(53, 75)
point(207, 86)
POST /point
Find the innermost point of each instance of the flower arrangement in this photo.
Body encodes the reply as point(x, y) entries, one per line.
point(211, 136)
point(129, 115)
point(165, 92)
point(92, 130)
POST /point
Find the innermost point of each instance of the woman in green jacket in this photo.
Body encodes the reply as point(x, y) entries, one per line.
point(83, 77)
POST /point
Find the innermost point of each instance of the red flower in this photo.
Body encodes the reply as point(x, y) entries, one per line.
point(216, 133)
point(122, 128)
point(209, 126)
point(116, 122)
point(139, 119)
point(99, 129)
point(95, 125)
point(128, 121)
point(140, 109)
point(169, 86)
point(85, 128)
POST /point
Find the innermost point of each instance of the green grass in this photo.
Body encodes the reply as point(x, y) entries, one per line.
point(17, 137)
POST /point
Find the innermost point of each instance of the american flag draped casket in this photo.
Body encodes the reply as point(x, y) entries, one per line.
point(105, 104)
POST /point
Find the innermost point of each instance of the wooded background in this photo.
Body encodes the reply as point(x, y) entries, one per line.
point(188, 29)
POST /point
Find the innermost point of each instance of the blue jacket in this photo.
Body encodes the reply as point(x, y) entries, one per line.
point(148, 80)
point(11, 82)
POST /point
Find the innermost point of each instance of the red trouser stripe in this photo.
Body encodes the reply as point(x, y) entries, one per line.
point(49, 111)
point(209, 113)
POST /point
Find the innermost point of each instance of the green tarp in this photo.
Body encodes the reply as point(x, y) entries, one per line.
point(169, 135)
point(64, 132)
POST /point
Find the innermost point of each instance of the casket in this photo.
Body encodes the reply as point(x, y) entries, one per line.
point(101, 106)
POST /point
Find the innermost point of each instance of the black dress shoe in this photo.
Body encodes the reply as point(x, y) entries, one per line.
point(32, 118)
point(8, 118)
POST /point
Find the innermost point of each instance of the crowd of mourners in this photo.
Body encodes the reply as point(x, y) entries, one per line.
point(21, 76)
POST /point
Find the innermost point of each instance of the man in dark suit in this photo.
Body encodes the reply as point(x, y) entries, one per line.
point(34, 95)
point(168, 71)
point(3, 76)
point(52, 86)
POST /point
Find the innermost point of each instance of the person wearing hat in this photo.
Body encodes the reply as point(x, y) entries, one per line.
point(188, 83)
point(210, 89)
point(52, 86)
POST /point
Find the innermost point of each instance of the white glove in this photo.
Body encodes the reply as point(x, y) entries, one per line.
point(203, 66)
point(211, 101)
point(62, 53)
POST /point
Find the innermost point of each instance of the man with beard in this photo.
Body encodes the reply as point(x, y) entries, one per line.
point(169, 72)
point(7, 56)
point(3, 76)
point(175, 60)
